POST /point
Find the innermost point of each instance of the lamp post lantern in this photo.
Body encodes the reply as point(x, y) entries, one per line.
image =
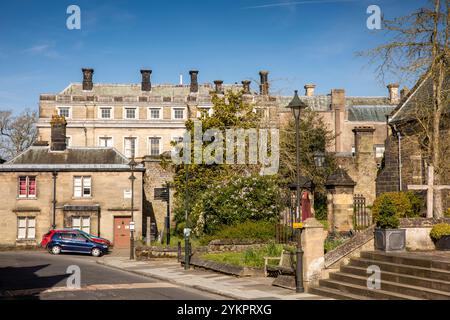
point(297, 106)
point(132, 178)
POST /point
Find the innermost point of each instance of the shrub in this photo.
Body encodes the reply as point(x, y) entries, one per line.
point(249, 230)
point(387, 214)
point(255, 198)
point(440, 230)
point(406, 204)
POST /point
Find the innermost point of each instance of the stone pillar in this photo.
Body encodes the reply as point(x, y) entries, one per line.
point(58, 133)
point(366, 165)
point(313, 252)
point(340, 190)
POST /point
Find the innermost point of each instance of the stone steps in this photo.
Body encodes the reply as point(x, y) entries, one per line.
point(403, 277)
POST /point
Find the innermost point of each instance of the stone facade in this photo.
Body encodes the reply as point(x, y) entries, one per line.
point(153, 116)
point(54, 187)
point(107, 201)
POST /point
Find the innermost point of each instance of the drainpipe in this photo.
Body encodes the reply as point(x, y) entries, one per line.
point(55, 174)
point(399, 136)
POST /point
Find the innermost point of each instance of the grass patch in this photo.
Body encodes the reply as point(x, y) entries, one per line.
point(248, 258)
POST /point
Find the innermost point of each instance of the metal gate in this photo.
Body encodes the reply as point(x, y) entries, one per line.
point(361, 216)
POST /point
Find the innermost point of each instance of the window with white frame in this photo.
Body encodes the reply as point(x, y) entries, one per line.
point(130, 147)
point(82, 187)
point(130, 113)
point(81, 223)
point(64, 111)
point(105, 113)
point(154, 144)
point(105, 142)
point(379, 151)
point(27, 187)
point(26, 228)
point(154, 113)
point(178, 113)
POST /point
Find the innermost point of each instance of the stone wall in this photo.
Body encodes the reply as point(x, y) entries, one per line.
point(156, 177)
point(418, 232)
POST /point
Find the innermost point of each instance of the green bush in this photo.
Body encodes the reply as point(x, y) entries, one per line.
point(387, 214)
point(406, 204)
point(249, 230)
point(440, 230)
point(255, 198)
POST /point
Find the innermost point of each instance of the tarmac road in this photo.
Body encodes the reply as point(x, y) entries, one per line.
point(41, 275)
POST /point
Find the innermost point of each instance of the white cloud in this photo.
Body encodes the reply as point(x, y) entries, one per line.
point(290, 4)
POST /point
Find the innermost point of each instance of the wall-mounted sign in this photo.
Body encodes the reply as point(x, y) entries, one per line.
point(127, 194)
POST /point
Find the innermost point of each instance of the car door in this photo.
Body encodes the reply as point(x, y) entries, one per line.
point(82, 243)
point(66, 241)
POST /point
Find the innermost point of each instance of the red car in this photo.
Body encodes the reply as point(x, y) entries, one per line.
point(48, 236)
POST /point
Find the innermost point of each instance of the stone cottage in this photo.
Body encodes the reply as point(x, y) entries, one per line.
point(51, 185)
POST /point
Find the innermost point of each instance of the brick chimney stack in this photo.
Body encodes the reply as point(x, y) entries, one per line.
point(58, 133)
point(146, 84)
point(404, 92)
point(218, 86)
point(246, 86)
point(264, 82)
point(309, 89)
point(87, 79)
point(393, 93)
point(194, 80)
point(338, 105)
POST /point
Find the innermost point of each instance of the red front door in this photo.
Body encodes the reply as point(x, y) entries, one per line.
point(121, 232)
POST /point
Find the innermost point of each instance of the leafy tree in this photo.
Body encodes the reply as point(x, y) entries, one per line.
point(314, 138)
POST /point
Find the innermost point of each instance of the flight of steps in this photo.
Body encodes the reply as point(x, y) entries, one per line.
point(403, 277)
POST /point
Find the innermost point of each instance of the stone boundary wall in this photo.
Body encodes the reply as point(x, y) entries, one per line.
point(418, 232)
point(341, 254)
point(233, 245)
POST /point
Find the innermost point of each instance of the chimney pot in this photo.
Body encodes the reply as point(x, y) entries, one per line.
point(194, 80)
point(87, 78)
point(264, 82)
point(246, 86)
point(309, 89)
point(146, 84)
point(58, 133)
point(218, 86)
point(393, 93)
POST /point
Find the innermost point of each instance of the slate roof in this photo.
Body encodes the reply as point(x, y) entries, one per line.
point(422, 91)
point(372, 113)
point(340, 178)
point(84, 158)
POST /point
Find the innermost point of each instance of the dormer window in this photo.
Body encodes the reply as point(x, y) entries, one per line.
point(64, 111)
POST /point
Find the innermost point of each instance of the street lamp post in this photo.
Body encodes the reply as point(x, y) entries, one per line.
point(132, 178)
point(297, 105)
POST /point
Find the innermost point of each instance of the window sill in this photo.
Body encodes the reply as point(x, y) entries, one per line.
point(82, 198)
point(26, 198)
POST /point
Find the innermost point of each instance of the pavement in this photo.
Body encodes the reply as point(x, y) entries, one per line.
point(41, 275)
point(239, 288)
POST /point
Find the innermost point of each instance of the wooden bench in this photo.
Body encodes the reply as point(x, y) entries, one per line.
point(285, 265)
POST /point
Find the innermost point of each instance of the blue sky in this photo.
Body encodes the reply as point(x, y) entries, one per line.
point(230, 40)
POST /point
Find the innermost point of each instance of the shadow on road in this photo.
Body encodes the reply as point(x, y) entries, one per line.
point(24, 283)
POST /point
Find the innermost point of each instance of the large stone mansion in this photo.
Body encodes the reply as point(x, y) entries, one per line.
point(145, 118)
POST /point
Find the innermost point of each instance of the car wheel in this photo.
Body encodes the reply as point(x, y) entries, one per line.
point(96, 252)
point(56, 250)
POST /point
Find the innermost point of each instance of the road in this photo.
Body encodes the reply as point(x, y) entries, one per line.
point(40, 275)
